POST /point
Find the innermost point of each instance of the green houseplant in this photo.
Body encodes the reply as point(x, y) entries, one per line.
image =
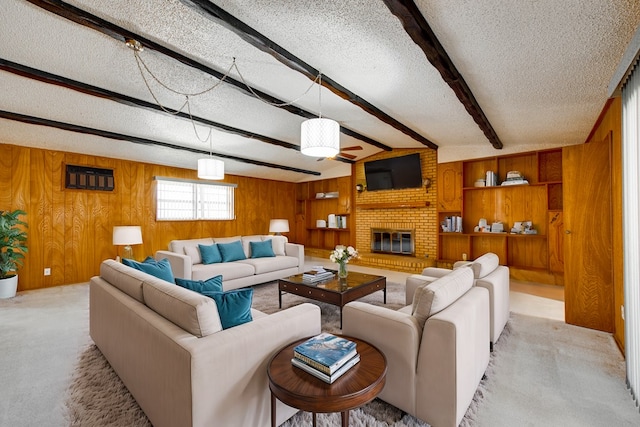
point(13, 239)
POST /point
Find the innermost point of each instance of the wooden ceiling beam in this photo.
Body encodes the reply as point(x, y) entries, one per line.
point(79, 16)
point(419, 30)
point(54, 79)
point(260, 41)
point(137, 140)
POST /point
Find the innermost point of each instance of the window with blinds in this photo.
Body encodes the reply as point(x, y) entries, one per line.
point(187, 200)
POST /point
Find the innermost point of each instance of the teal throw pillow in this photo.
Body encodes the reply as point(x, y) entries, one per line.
point(161, 269)
point(261, 249)
point(210, 285)
point(231, 251)
point(234, 307)
point(210, 254)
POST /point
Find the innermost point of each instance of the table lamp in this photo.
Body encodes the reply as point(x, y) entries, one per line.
point(279, 226)
point(127, 235)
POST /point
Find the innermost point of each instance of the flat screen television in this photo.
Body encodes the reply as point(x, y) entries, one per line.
point(393, 173)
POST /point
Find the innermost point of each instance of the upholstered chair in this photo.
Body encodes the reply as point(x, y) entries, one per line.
point(437, 347)
point(488, 274)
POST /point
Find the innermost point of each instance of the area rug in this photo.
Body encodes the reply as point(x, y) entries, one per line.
point(541, 372)
point(97, 397)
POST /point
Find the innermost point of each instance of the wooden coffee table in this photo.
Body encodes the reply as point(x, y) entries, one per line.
point(296, 388)
point(335, 291)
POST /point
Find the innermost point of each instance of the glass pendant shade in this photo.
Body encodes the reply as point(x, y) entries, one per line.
point(210, 168)
point(320, 137)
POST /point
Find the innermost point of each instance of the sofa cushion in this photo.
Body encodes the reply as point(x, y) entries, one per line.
point(228, 270)
point(439, 294)
point(189, 247)
point(278, 244)
point(261, 249)
point(485, 265)
point(210, 254)
point(213, 284)
point(267, 265)
point(195, 313)
point(234, 306)
point(160, 269)
point(246, 242)
point(127, 279)
point(231, 251)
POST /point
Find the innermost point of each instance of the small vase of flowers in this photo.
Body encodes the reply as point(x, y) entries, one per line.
point(341, 255)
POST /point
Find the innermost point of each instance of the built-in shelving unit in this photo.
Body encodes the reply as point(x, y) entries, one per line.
point(539, 255)
point(310, 208)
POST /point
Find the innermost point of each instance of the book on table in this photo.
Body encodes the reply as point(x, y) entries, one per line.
point(321, 375)
point(325, 352)
point(316, 274)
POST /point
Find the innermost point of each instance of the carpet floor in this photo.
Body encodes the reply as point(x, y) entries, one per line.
point(542, 373)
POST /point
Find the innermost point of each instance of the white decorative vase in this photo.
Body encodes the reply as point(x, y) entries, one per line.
point(8, 287)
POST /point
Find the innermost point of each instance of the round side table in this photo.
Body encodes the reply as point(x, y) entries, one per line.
point(295, 387)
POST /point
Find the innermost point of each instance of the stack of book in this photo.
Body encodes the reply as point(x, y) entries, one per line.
point(326, 356)
point(316, 274)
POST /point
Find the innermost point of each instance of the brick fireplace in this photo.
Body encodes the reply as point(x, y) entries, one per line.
point(393, 241)
point(411, 209)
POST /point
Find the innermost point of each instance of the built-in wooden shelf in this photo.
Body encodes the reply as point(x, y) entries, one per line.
point(414, 205)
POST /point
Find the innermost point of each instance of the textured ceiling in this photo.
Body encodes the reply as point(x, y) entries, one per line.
point(538, 69)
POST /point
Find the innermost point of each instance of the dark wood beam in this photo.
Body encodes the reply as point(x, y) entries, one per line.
point(419, 30)
point(94, 22)
point(259, 40)
point(54, 79)
point(137, 140)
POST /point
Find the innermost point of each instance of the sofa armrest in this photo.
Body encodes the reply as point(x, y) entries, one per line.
point(231, 366)
point(180, 264)
point(459, 264)
point(296, 250)
point(397, 335)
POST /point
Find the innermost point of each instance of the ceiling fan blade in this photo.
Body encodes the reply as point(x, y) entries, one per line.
point(348, 156)
point(352, 148)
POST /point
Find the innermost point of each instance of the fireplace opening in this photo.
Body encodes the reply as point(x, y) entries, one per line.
point(393, 241)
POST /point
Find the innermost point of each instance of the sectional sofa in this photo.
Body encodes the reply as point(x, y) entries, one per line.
point(187, 261)
point(167, 345)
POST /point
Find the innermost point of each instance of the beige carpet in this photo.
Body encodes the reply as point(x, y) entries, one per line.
point(543, 373)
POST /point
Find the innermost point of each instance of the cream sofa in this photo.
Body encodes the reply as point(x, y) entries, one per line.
point(487, 274)
point(167, 345)
point(437, 349)
point(186, 261)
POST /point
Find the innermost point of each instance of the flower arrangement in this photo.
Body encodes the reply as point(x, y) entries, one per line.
point(341, 255)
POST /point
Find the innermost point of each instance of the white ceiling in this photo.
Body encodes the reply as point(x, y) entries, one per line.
point(539, 69)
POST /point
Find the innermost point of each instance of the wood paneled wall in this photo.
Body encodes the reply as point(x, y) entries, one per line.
point(609, 128)
point(70, 231)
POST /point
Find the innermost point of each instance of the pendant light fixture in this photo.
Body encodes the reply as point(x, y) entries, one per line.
point(320, 137)
point(208, 167)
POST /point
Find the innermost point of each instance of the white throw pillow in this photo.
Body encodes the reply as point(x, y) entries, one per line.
point(277, 243)
point(439, 294)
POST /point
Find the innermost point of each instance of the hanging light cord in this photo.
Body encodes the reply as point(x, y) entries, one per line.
point(142, 67)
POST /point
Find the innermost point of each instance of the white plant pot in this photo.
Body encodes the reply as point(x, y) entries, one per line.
point(8, 287)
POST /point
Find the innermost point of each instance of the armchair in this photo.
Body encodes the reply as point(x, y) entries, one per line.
point(437, 348)
point(488, 274)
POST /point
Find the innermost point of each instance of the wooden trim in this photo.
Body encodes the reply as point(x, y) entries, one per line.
point(416, 205)
point(596, 125)
point(94, 22)
point(136, 140)
point(259, 40)
point(419, 30)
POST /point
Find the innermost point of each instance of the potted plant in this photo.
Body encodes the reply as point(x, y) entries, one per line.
point(12, 249)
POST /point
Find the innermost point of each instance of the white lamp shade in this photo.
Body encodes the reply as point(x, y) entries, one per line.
point(210, 168)
point(127, 235)
point(320, 137)
point(279, 226)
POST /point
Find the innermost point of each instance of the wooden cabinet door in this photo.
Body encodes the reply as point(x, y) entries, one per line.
point(587, 217)
point(449, 186)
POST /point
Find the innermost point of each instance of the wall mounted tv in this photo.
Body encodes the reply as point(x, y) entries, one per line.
point(394, 173)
